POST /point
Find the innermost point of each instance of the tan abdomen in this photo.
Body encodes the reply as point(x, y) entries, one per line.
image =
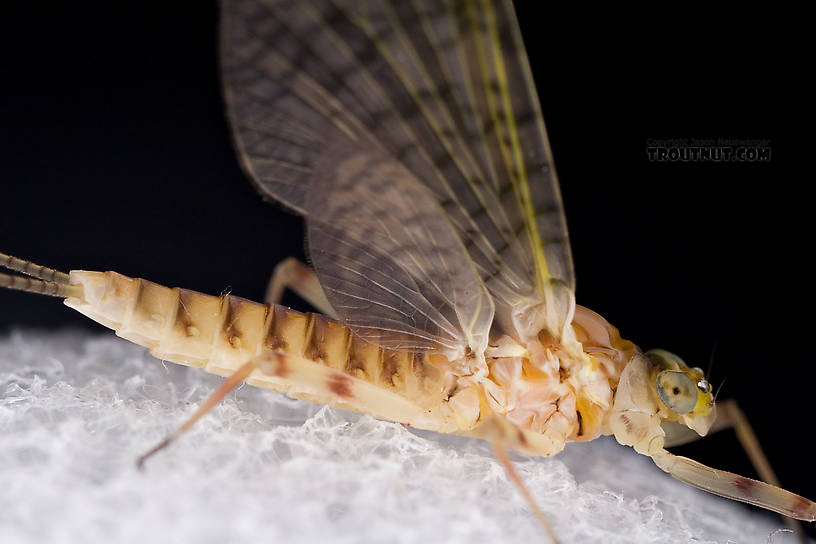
point(221, 333)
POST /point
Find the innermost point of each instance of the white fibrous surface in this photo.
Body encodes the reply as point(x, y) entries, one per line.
point(76, 410)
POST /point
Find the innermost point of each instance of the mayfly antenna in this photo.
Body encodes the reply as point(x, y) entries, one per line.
point(717, 393)
point(36, 279)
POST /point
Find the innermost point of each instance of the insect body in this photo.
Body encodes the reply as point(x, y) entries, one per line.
point(409, 136)
point(316, 358)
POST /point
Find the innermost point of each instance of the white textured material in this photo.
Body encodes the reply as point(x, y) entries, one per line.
point(76, 410)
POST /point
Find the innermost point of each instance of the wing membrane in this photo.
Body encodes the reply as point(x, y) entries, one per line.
point(391, 264)
point(441, 88)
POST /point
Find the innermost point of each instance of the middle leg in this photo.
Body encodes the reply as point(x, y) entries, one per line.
point(293, 274)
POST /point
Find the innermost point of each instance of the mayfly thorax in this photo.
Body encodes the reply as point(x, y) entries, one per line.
point(409, 137)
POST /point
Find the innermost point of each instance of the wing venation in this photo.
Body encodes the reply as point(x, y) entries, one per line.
point(441, 89)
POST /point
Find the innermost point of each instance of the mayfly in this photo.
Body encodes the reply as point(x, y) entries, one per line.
point(410, 138)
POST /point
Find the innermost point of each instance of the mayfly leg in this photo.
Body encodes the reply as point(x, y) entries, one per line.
point(295, 373)
point(233, 381)
point(730, 416)
point(292, 274)
point(504, 459)
point(502, 434)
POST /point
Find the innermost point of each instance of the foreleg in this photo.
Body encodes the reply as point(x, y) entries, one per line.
point(729, 416)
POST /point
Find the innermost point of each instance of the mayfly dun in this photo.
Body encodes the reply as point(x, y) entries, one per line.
point(410, 138)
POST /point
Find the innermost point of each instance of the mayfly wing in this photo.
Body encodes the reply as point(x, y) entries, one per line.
point(443, 91)
point(389, 260)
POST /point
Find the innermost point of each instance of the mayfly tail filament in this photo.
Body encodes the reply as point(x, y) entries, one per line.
point(37, 279)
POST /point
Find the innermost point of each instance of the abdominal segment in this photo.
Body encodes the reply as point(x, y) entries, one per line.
point(221, 333)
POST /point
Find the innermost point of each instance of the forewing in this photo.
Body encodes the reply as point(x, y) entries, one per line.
point(441, 87)
point(391, 264)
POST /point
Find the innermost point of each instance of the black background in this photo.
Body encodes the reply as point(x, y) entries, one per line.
point(115, 154)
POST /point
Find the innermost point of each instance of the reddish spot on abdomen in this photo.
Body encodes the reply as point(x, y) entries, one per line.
point(282, 369)
point(340, 385)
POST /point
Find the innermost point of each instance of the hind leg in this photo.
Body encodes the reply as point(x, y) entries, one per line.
point(293, 274)
point(299, 377)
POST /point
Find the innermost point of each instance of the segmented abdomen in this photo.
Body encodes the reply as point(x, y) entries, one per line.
point(221, 333)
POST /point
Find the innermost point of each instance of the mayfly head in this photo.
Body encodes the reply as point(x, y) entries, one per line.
point(655, 387)
point(684, 393)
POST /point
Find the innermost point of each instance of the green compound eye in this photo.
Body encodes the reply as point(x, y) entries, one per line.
point(665, 360)
point(677, 391)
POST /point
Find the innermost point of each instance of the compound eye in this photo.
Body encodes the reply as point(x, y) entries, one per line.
point(665, 360)
point(677, 391)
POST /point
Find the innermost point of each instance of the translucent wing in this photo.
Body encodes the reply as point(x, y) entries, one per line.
point(389, 261)
point(443, 90)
